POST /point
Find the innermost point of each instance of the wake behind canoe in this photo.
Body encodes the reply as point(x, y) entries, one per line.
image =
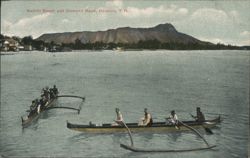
point(156, 127)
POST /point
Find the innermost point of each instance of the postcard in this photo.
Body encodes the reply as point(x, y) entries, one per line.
point(125, 78)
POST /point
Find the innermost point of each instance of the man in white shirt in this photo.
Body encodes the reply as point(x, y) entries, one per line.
point(119, 117)
point(173, 119)
point(147, 120)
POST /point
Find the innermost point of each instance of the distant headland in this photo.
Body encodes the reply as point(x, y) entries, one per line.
point(162, 36)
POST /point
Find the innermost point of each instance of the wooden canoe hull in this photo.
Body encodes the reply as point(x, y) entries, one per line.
point(157, 127)
point(28, 121)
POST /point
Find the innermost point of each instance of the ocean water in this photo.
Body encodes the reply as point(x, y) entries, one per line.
point(217, 81)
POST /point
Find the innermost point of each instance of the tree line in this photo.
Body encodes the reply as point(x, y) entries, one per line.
point(149, 44)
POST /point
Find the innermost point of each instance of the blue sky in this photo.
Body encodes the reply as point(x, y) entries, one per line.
point(227, 22)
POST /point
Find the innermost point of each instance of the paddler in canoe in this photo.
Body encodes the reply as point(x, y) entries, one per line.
point(40, 104)
point(119, 118)
point(173, 119)
point(33, 107)
point(45, 93)
point(147, 120)
point(36, 106)
point(55, 90)
point(199, 115)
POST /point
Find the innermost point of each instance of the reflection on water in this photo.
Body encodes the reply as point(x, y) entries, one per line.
point(174, 136)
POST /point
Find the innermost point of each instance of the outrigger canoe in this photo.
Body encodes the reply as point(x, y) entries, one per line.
point(50, 105)
point(156, 127)
point(35, 116)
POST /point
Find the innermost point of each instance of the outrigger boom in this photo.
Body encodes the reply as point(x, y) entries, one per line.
point(71, 96)
point(62, 107)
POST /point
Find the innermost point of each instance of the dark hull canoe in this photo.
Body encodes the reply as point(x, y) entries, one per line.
point(157, 127)
point(34, 117)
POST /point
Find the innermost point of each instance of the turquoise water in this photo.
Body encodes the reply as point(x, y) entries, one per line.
point(217, 81)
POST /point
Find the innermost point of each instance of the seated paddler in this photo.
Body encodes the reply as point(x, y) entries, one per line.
point(147, 120)
point(32, 108)
point(172, 119)
point(55, 90)
point(119, 118)
point(199, 115)
point(45, 93)
point(51, 93)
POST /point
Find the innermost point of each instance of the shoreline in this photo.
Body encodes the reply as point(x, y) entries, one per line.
point(113, 51)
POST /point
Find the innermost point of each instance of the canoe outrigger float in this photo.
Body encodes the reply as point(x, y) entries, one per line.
point(50, 105)
point(136, 149)
point(157, 127)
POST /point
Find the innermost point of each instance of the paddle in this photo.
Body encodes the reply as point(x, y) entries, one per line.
point(206, 128)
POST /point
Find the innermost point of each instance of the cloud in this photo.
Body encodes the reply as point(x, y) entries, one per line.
point(245, 34)
point(234, 14)
point(6, 25)
point(183, 11)
point(35, 19)
point(210, 15)
point(25, 26)
point(215, 17)
point(213, 25)
point(24, 22)
point(114, 3)
point(226, 41)
point(245, 42)
point(172, 12)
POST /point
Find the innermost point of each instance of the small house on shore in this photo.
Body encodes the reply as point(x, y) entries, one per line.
point(9, 44)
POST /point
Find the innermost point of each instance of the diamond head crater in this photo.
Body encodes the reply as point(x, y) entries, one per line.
point(162, 36)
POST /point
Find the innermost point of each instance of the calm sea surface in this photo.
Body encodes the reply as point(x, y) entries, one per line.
point(217, 81)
